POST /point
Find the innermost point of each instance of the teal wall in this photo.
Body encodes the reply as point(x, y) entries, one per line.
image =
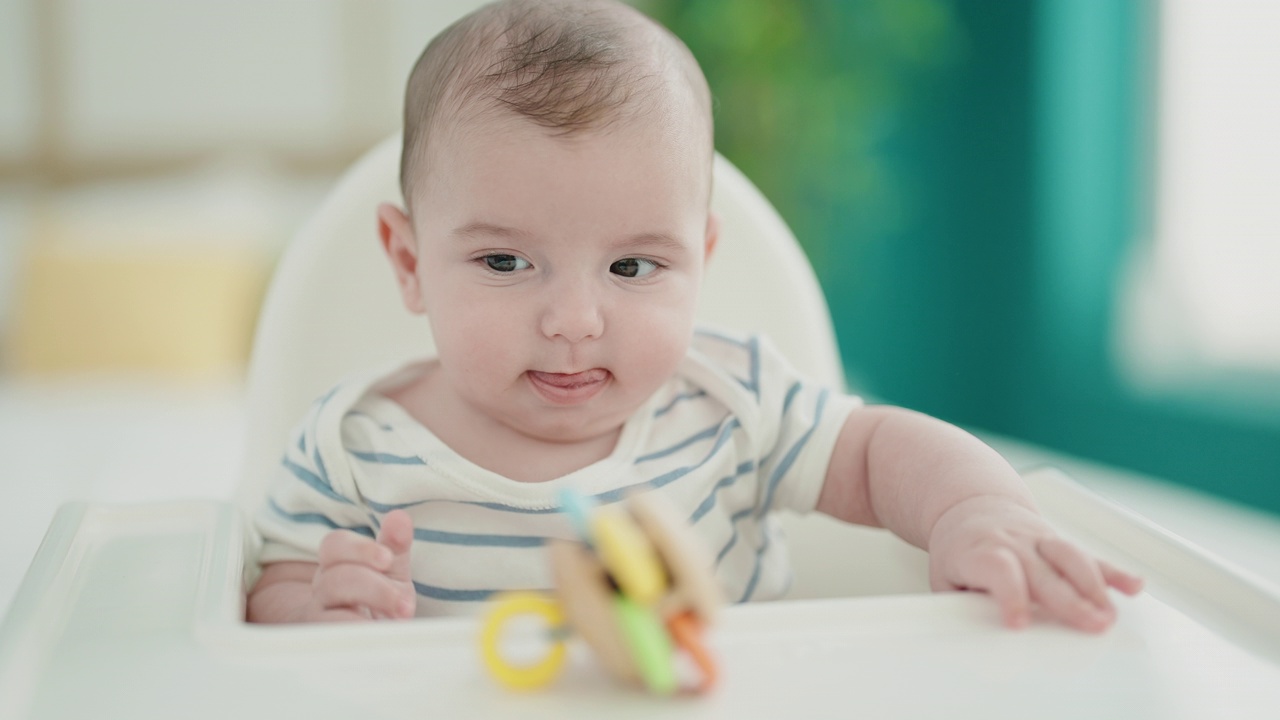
point(969, 178)
point(1093, 150)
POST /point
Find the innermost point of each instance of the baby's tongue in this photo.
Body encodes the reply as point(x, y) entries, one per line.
point(586, 377)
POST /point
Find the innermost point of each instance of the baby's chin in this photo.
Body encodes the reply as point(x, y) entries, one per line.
point(571, 433)
point(571, 425)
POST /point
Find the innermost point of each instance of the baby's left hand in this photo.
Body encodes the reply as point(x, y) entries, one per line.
point(994, 545)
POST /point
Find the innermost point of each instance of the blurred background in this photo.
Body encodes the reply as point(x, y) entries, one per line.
point(1054, 222)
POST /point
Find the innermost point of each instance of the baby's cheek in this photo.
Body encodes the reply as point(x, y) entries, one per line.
point(476, 335)
point(660, 339)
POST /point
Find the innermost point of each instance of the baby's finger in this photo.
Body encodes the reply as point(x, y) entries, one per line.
point(359, 586)
point(345, 546)
point(1119, 579)
point(1063, 601)
point(1079, 569)
point(396, 535)
point(999, 573)
point(340, 615)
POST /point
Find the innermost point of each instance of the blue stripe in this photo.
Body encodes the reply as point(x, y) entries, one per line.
point(319, 461)
point(785, 464)
point(774, 479)
point(315, 448)
point(320, 401)
point(733, 539)
point(791, 395)
point(786, 405)
point(315, 482)
point(671, 476)
point(676, 400)
point(604, 498)
point(324, 473)
point(704, 332)
point(385, 508)
point(366, 416)
point(512, 508)
point(477, 540)
point(701, 435)
point(436, 592)
point(319, 519)
point(752, 346)
point(388, 507)
point(724, 482)
point(439, 593)
point(387, 458)
point(755, 574)
point(608, 496)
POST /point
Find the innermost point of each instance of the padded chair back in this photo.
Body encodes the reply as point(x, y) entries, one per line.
point(333, 306)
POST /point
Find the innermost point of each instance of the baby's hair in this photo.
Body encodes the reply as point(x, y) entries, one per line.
point(566, 65)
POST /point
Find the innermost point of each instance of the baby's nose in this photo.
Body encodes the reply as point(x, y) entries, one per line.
point(573, 312)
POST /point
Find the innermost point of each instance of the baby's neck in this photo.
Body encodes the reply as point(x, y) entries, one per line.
point(491, 444)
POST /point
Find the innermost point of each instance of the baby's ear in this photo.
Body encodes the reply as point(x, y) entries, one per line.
point(712, 235)
point(396, 231)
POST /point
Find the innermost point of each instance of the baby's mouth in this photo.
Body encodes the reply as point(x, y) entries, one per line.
point(569, 388)
point(571, 380)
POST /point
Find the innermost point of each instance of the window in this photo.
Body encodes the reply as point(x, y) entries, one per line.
point(1204, 298)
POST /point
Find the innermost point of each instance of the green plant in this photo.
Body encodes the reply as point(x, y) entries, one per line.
point(806, 92)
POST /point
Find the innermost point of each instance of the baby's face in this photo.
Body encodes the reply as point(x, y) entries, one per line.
point(561, 274)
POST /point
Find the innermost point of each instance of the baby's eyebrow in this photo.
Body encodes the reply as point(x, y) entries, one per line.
point(654, 239)
point(640, 240)
point(484, 228)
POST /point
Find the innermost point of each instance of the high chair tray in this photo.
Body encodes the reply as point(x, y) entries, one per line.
point(134, 612)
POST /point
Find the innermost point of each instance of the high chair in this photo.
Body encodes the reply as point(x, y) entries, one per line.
point(137, 611)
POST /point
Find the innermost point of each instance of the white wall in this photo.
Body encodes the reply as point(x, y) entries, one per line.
point(127, 82)
point(19, 102)
point(91, 90)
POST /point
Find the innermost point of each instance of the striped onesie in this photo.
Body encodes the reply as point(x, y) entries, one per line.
point(733, 436)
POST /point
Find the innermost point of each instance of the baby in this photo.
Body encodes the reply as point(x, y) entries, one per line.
point(556, 174)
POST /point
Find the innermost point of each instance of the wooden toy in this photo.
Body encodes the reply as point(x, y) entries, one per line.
point(637, 587)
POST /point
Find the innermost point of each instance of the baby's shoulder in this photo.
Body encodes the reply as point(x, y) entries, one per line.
point(383, 450)
point(367, 420)
point(724, 370)
point(748, 365)
point(374, 424)
point(731, 355)
point(356, 412)
point(749, 373)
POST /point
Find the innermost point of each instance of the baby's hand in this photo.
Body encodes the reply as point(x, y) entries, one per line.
point(999, 547)
point(359, 579)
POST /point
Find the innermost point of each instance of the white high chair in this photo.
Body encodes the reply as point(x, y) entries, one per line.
point(333, 308)
point(136, 611)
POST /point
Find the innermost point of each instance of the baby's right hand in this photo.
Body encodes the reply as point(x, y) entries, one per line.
point(362, 579)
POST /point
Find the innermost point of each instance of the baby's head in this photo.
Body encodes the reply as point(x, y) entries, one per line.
point(568, 66)
point(556, 173)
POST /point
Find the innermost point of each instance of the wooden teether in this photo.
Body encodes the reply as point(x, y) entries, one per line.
point(638, 587)
point(587, 601)
point(687, 560)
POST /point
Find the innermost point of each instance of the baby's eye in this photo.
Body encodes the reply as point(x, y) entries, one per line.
point(505, 263)
point(633, 267)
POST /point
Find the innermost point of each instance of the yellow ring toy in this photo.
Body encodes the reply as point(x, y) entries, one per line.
point(534, 675)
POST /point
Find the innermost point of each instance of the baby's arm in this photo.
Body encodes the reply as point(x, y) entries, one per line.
point(942, 489)
point(355, 578)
